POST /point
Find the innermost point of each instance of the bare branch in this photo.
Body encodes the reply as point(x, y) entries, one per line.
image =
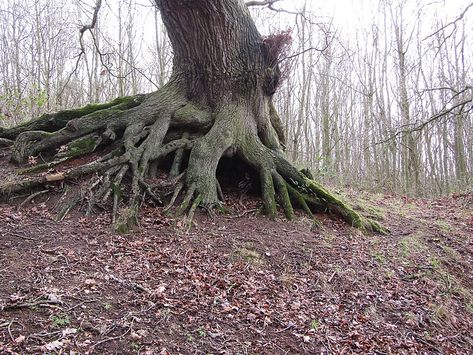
point(416, 127)
point(261, 3)
point(95, 17)
point(321, 50)
point(451, 23)
point(82, 30)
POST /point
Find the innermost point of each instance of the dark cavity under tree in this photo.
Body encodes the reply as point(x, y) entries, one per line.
point(218, 102)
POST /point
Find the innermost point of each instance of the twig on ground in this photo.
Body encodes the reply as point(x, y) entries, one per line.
point(81, 303)
point(129, 283)
point(30, 198)
point(18, 235)
point(110, 339)
point(44, 303)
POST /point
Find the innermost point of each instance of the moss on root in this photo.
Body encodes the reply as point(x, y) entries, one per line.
point(82, 146)
point(51, 122)
point(127, 220)
point(144, 134)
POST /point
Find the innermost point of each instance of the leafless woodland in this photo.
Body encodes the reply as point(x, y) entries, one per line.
point(386, 106)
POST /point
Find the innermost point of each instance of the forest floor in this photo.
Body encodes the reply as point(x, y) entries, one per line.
point(238, 283)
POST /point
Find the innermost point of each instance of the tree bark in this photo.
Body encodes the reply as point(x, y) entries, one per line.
point(217, 102)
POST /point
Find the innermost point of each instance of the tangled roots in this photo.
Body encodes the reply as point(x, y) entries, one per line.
point(136, 134)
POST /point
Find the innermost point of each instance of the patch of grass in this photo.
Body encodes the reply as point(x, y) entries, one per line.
point(379, 257)
point(444, 226)
point(451, 253)
point(60, 320)
point(366, 206)
point(403, 208)
point(250, 256)
point(287, 279)
point(448, 281)
point(411, 244)
point(328, 239)
point(439, 313)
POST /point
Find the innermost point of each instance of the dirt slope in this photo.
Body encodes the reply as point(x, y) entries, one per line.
point(239, 283)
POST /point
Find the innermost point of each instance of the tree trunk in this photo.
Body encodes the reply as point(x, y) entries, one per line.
point(217, 102)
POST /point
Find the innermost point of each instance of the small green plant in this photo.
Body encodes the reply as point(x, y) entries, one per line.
point(315, 324)
point(378, 257)
point(201, 332)
point(434, 263)
point(190, 338)
point(60, 320)
point(107, 306)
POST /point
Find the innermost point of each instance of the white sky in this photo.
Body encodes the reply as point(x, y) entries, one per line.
point(347, 15)
point(351, 14)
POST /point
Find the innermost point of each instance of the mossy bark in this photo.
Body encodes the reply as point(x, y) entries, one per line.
point(218, 102)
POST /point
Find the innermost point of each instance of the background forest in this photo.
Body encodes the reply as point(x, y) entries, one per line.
point(380, 100)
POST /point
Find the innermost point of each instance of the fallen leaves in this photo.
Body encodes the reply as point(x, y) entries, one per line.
point(231, 284)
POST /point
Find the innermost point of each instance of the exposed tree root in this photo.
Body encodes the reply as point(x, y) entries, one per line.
point(146, 129)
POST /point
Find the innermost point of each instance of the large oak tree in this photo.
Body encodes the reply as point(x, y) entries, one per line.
point(218, 102)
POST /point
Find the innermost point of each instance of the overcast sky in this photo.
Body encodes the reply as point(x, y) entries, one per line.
point(350, 14)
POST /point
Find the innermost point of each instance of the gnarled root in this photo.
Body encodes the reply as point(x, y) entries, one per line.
point(281, 183)
point(145, 129)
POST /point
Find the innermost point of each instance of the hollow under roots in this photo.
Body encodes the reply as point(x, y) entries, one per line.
point(139, 133)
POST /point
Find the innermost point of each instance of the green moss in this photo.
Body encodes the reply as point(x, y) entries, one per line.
point(336, 204)
point(55, 121)
point(127, 220)
point(268, 195)
point(191, 115)
point(434, 263)
point(82, 146)
point(370, 210)
point(42, 167)
point(60, 320)
point(117, 190)
point(410, 245)
point(120, 103)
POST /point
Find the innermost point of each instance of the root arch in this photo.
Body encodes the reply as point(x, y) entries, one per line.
point(141, 131)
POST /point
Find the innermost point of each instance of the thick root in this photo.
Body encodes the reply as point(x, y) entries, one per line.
point(52, 122)
point(146, 129)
